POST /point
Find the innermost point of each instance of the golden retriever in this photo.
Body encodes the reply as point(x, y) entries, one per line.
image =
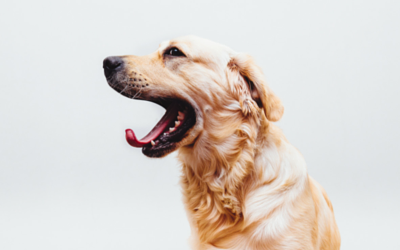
point(244, 185)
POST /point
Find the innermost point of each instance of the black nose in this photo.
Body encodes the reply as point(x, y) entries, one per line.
point(112, 64)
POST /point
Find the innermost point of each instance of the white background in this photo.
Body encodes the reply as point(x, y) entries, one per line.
point(68, 179)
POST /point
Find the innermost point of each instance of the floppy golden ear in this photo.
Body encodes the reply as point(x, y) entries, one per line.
point(247, 79)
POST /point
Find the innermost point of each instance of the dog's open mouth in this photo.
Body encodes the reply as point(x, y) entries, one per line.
point(173, 127)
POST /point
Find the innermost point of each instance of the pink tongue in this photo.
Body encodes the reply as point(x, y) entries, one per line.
point(168, 118)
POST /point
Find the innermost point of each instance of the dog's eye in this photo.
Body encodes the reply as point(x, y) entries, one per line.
point(174, 52)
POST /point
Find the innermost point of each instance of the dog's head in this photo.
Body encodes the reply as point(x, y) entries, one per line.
point(195, 80)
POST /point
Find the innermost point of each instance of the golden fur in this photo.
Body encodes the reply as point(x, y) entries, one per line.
point(244, 185)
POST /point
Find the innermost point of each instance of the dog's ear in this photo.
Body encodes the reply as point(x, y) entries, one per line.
point(247, 80)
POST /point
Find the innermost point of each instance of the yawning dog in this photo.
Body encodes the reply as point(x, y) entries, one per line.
point(244, 185)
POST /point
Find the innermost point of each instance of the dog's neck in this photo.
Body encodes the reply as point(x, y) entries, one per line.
point(218, 172)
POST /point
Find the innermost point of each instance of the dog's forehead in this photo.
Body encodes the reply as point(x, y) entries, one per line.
point(196, 46)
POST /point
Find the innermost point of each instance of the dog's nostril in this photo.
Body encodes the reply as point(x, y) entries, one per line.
point(112, 64)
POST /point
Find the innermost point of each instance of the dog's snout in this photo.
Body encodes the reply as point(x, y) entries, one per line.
point(112, 64)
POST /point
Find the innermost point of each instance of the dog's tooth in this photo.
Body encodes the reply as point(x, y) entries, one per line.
point(153, 143)
point(171, 130)
point(177, 123)
point(165, 133)
point(181, 116)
